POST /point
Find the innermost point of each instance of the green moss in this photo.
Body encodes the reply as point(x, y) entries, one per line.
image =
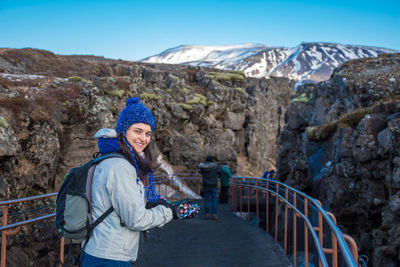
point(77, 79)
point(238, 89)
point(185, 90)
point(169, 91)
point(194, 100)
point(301, 98)
point(200, 99)
point(186, 107)
point(225, 76)
point(149, 96)
point(113, 110)
point(118, 93)
point(238, 72)
point(3, 122)
point(130, 94)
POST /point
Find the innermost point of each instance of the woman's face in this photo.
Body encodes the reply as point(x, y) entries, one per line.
point(138, 136)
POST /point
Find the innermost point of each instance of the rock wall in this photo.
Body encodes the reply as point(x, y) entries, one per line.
point(341, 144)
point(52, 105)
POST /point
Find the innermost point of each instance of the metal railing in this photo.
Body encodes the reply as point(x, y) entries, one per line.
point(176, 186)
point(289, 210)
point(171, 186)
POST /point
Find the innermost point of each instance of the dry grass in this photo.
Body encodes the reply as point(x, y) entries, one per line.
point(325, 131)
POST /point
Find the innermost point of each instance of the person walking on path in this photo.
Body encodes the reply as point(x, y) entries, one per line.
point(265, 175)
point(209, 171)
point(225, 176)
point(118, 183)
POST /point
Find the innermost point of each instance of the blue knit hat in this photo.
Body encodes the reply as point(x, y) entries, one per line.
point(134, 112)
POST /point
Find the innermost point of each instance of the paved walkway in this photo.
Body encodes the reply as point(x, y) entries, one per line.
point(229, 241)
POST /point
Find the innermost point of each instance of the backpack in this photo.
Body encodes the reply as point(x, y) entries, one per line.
point(73, 203)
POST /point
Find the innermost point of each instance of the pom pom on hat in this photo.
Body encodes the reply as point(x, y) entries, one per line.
point(134, 112)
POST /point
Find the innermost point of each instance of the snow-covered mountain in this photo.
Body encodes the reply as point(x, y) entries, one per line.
point(305, 62)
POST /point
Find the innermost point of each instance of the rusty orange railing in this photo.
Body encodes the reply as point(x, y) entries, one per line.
point(12, 229)
point(287, 198)
point(167, 185)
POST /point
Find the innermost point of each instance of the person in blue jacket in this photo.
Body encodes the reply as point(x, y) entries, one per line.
point(265, 175)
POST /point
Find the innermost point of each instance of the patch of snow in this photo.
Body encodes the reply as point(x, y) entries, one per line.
point(20, 77)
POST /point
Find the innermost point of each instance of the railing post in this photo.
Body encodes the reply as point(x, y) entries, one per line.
point(4, 237)
point(352, 246)
point(248, 199)
point(267, 207)
point(306, 233)
point(257, 212)
point(294, 230)
point(286, 223)
point(276, 212)
point(320, 229)
point(61, 251)
point(334, 243)
point(240, 196)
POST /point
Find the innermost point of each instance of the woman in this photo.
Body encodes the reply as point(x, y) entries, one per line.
point(118, 183)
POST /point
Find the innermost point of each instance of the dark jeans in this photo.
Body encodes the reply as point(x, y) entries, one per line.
point(89, 260)
point(210, 192)
point(224, 194)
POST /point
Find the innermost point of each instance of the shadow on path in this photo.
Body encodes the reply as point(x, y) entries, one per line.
point(228, 241)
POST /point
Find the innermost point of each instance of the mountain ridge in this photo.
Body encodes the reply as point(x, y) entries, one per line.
point(312, 61)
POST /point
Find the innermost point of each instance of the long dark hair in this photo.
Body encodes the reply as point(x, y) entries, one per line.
point(143, 167)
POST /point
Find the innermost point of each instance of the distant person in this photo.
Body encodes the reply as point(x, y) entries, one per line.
point(265, 175)
point(209, 171)
point(271, 174)
point(225, 176)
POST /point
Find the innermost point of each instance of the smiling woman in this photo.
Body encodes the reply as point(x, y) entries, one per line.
point(118, 183)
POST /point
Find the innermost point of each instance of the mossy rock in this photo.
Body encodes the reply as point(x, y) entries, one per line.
point(352, 119)
point(238, 72)
point(169, 90)
point(113, 110)
point(303, 98)
point(194, 100)
point(225, 76)
point(118, 93)
point(186, 107)
point(185, 90)
point(149, 96)
point(200, 99)
point(3, 122)
point(238, 89)
point(77, 79)
point(320, 133)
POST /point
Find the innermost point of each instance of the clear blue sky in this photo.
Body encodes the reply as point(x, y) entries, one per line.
point(133, 30)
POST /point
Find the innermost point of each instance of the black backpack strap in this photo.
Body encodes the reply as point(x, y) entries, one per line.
point(90, 229)
point(99, 220)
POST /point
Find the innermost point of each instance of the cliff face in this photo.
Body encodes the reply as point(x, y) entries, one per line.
point(52, 105)
point(341, 144)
